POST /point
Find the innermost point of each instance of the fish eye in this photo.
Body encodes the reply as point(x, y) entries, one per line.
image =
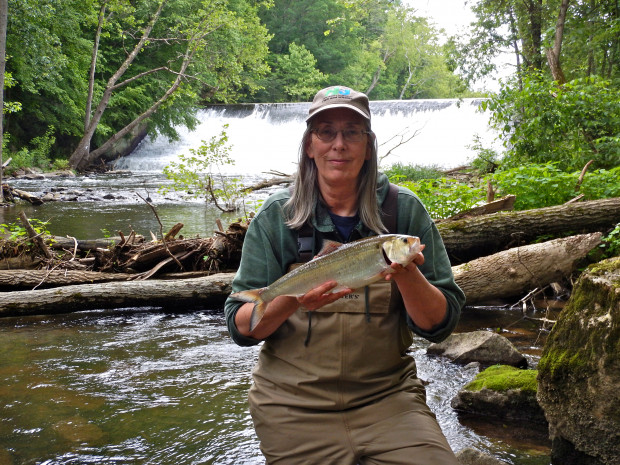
point(404, 239)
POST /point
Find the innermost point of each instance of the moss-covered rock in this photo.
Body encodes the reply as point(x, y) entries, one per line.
point(504, 392)
point(503, 378)
point(579, 371)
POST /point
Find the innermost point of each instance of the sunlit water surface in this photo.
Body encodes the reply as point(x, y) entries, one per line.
point(131, 386)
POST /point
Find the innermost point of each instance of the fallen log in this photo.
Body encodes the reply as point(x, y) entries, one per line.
point(208, 291)
point(503, 204)
point(287, 179)
point(85, 245)
point(511, 273)
point(470, 238)
point(504, 274)
point(30, 279)
point(27, 196)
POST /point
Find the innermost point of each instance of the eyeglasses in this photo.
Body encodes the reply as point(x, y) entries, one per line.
point(328, 134)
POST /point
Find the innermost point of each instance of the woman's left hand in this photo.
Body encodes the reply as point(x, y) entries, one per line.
point(397, 268)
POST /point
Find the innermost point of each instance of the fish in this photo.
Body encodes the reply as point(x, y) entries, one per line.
point(352, 265)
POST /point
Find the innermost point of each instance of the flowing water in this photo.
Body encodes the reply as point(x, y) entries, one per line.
point(266, 137)
point(148, 386)
point(138, 386)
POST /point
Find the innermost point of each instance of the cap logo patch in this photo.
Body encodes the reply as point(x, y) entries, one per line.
point(338, 91)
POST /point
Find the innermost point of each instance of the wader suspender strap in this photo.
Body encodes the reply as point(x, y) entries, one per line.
point(305, 242)
point(389, 210)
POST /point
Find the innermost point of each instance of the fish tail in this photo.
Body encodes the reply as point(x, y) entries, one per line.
point(260, 306)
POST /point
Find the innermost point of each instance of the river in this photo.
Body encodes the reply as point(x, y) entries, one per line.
point(143, 385)
point(138, 386)
point(148, 386)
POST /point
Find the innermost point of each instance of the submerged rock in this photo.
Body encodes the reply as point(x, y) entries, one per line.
point(579, 371)
point(485, 347)
point(471, 456)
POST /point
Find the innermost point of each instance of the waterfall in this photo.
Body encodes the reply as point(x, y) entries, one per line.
point(266, 137)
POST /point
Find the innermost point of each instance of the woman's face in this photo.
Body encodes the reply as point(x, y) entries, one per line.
point(340, 160)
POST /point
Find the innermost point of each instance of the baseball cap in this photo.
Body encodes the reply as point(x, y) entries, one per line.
point(339, 97)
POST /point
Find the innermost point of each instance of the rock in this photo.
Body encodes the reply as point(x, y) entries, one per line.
point(503, 392)
point(50, 197)
point(579, 371)
point(485, 347)
point(471, 456)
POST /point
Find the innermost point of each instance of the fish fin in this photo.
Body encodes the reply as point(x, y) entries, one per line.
point(329, 246)
point(257, 314)
point(253, 295)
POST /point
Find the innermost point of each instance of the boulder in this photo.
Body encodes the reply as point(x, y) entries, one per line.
point(471, 456)
point(485, 347)
point(503, 392)
point(579, 371)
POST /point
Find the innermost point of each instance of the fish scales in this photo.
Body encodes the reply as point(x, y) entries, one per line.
point(352, 265)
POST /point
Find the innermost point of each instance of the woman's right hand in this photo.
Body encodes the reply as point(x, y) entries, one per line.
point(321, 296)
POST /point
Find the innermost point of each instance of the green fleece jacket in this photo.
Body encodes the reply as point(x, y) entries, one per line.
point(270, 247)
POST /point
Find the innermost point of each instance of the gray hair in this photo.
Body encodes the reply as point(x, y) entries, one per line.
point(300, 207)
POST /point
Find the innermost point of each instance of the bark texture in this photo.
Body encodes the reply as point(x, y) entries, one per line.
point(176, 294)
point(510, 273)
point(471, 238)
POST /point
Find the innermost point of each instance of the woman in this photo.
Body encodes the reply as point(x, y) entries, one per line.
point(333, 383)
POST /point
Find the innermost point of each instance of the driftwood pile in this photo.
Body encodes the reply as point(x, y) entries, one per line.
point(492, 254)
point(53, 261)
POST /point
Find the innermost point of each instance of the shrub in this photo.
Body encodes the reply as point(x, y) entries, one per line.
point(445, 197)
point(544, 185)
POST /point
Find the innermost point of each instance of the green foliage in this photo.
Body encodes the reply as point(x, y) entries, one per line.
point(591, 38)
point(51, 43)
point(543, 185)
point(48, 57)
point(377, 46)
point(445, 197)
point(399, 172)
point(611, 243)
point(17, 232)
point(601, 184)
point(10, 107)
point(297, 73)
point(37, 156)
point(199, 174)
point(487, 160)
point(60, 164)
point(571, 124)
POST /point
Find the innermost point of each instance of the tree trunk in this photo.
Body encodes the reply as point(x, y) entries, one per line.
point(510, 273)
point(27, 196)
point(470, 238)
point(4, 7)
point(553, 54)
point(93, 67)
point(66, 243)
point(78, 158)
